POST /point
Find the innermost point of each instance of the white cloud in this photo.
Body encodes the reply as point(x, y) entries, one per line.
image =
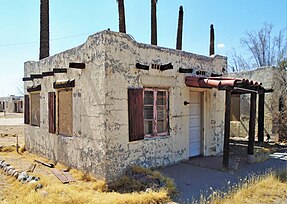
point(220, 45)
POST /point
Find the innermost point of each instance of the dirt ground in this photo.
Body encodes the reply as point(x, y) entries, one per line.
point(11, 126)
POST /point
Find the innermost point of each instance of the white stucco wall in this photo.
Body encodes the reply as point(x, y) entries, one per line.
point(100, 143)
point(86, 148)
point(122, 54)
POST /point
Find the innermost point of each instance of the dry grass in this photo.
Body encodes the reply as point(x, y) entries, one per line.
point(126, 184)
point(8, 149)
point(78, 192)
point(265, 189)
point(85, 190)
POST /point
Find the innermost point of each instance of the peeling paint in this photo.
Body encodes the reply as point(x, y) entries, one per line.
point(100, 113)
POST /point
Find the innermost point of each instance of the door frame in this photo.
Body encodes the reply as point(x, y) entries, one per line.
point(202, 122)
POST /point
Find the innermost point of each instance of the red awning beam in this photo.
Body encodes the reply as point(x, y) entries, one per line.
point(223, 83)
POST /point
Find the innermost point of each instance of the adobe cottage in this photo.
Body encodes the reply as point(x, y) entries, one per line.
point(12, 104)
point(113, 102)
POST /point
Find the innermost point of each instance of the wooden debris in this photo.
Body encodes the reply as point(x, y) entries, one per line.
point(64, 176)
point(68, 176)
point(45, 164)
point(60, 176)
point(32, 168)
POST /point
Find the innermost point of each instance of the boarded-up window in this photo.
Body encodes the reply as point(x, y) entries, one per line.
point(27, 110)
point(235, 108)
point(35, 109)
point(65, 112)
point(52, 112)
point(135, 104)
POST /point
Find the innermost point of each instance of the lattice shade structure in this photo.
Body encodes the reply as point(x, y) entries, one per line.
point(238, 85)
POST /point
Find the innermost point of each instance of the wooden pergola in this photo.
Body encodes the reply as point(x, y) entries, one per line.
point(236, 86)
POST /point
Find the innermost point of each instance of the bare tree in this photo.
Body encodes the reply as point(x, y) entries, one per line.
point(264, 50)
point(20, 88)
point(237, 63)
point(280, 87)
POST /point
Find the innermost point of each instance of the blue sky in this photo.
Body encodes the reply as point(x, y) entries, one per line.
point(72, 21)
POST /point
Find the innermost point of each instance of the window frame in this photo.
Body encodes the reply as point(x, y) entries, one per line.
point(31, 109)
point(235, 108)
point(57, 128)
point(155, 115)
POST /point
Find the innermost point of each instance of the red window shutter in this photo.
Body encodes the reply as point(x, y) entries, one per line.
point(26, 110)
point(136, 118)
point(52, 112)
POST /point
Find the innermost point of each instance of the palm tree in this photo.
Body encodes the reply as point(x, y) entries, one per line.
point(211, 45)
point(179, 29)
point(153, 23)
point(122, 21)
point(44, 29)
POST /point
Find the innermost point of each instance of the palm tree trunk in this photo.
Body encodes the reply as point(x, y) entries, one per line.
point(122, 21)
point(179, 29)
point(211, 45)
point(44, 29)
point(153, 23)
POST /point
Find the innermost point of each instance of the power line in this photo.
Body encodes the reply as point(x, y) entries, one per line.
point(36, 42)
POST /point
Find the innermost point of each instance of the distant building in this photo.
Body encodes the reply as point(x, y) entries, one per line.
point(12, 104)
point(272, 78)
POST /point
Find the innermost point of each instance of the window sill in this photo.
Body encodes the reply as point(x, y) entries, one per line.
point(67, 136)
point(156, 137)
point(36, 126)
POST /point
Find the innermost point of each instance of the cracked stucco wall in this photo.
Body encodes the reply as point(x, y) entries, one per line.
point(121, 56)
point(86, 148)
point(100, 142)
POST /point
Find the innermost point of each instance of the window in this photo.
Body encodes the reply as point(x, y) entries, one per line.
point(65, 112)
point(155, 112)
point(148, 113)
point(235, 108)
point(35, 109)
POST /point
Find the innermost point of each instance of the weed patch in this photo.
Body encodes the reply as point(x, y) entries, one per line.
point(139, 179)
point(256, 189)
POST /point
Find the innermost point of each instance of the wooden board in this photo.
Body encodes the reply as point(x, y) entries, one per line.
point(65, 112)
point(59, 175)
point(68, 176)
point(35, 109)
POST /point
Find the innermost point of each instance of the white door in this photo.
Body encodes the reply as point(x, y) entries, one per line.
point(194, 123)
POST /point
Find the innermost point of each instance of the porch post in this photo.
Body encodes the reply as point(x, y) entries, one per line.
point(226, 128)
point(251, 139)
point(261, 117)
